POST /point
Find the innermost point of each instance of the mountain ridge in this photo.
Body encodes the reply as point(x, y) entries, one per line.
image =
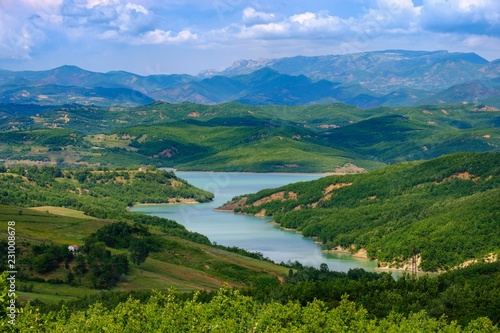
point(367, 79)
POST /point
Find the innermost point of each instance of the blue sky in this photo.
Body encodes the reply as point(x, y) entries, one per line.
point(174, 36)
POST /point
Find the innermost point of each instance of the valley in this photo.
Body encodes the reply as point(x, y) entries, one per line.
point(237, 137)
point(276, 194)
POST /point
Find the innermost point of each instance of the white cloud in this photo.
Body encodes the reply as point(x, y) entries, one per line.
point(14, 43)
point(265, 31)
point(251, 16)
point(159, 36)
point(94, 3)
point(42, 4)
point(99, 17)
point(474, 17)
point(23, 25)
point(137, 8)
point(30, 27)
point(109, 34)
point(388, 16)
point(312, 22)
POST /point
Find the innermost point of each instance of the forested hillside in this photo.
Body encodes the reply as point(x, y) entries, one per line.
point(447, 208)
point(100, 193)
point(52, 208)
point(237, 137)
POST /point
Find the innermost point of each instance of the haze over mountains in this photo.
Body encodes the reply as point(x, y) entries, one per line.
point(393, 78)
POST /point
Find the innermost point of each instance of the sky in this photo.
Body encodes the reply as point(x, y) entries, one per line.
point(173, 36)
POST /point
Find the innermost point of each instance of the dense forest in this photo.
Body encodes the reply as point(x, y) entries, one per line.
point(447, 208)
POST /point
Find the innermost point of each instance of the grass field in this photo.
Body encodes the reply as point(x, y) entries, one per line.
point(61, 211)
point(38, 225)
point(181, 264)
point(53, 293)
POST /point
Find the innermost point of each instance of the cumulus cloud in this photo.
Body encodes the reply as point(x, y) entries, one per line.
point(383, 18)
point(159, 36)
point(23, 24)
point(318, 24)
point(41, 4)
point(101, 16)
point(475, 17)
point(251, 16)
point(304, 25)
point(394, 14)
point(30, 25)
point(387, 16)
point(94, 3)
point(264, 31)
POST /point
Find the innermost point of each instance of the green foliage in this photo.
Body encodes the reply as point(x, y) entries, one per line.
point(4, 300)
point(4, 245)
point(236, 137)
point(100, 193)
point(242, 252)
point(230, 311)
point(105, 268)
point(43, 137)
point(460, 295)
point(139, 251)
point(120, 234)
point(46, 258)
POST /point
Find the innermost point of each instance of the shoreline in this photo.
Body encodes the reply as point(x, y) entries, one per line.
point(361, 254)
point(326, 173)
point(173, 201)
point(290, 229)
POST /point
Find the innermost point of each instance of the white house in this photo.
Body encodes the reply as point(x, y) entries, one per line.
point(73, 248)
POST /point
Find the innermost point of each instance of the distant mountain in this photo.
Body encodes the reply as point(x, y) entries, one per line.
point(369, 79)
point(264, 87)
point(381, 71)
point(470, 92)
point(71, 84)
point(58, 95)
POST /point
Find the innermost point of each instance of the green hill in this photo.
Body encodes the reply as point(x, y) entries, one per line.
point(447, 208)
point(100, 193)
point(458, 192)
point(175, 262)
point(233, 147)
point(236, 137)
point(53, 208)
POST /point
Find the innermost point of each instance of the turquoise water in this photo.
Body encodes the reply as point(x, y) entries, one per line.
point(254, 234)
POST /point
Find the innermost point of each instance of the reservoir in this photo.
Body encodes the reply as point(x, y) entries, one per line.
point(255, 234)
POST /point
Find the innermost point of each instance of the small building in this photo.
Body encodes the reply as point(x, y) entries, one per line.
point(73, 248)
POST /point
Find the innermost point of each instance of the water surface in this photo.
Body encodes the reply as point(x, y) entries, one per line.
point(256, 234)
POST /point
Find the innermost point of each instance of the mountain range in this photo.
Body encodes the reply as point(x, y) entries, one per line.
point(393, 78)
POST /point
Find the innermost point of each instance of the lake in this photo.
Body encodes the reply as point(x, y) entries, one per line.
point(255, 234)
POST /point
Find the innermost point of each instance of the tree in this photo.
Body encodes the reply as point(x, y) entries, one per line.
point(139, 251)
